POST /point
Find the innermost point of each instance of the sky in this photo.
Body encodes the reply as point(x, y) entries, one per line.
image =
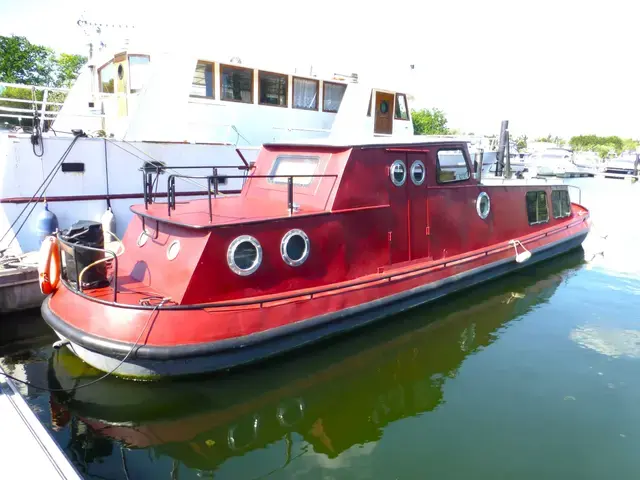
point(560, 67)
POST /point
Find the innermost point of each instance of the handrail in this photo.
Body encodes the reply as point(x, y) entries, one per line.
point(579, 192)
point(213, 179)
point(37, 87)
point(74, 246)
point(148, 180)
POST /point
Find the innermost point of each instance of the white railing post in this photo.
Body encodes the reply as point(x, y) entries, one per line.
point(44, 109)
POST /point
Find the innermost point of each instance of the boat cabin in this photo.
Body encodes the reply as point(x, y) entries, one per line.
point(312, 214)
point(139, 96)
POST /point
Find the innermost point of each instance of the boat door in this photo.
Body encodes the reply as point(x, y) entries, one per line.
point(408, 199)
point(384, 113)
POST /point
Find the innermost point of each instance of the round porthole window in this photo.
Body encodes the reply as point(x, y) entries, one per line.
point(295, 247)
point(142, 238)
point(418, 172)
point(244, 255)
point(398, 173)
point(173, 250)
point(483, 205)
point(384, 106)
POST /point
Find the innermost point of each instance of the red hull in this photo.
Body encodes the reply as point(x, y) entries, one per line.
point(371, 248)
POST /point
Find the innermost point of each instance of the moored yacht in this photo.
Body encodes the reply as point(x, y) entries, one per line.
point(146, 110)
point(324, 237)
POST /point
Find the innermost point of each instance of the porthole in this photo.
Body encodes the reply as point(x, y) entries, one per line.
point(244, 255)
point(418, 172)
point(398, 173)
point(483, 205)
point(294, 247)
point(142, 238)
point(173, 249)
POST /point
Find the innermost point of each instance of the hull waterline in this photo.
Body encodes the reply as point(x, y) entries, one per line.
point(148, 362)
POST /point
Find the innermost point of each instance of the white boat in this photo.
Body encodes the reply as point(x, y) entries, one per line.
point(588, 163)
point(554, 162)
point(626, 163)
point(148, 109)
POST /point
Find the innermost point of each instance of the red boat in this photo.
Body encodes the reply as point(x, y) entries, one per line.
point(321, 240)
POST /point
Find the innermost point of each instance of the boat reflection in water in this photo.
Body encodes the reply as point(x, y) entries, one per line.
point(334, 396)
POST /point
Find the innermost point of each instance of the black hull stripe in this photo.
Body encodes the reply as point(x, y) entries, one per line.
point(260, 345)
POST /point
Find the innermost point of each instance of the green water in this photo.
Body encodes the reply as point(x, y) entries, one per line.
point(535, 375)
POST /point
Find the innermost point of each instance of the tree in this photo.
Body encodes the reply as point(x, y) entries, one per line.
point(521, 142)
point(429, 122)
point(68, 68)
point(602, 145)
point(23, 62)
point(26, 63)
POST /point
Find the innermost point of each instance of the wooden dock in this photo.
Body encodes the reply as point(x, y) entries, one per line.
point(19, 288)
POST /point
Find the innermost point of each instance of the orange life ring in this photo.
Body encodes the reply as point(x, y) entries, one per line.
point(49, 265)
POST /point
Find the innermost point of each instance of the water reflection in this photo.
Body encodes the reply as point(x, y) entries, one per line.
point(613, 342)
point(330, 398)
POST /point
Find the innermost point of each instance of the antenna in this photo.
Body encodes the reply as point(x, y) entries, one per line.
point(96, 28)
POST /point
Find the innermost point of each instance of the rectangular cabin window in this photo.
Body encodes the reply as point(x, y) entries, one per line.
point(305, 93)
point(202, 83)
point(402, 113)
point(537, 209)
point(560, 203)
point(452, 166)
point(293, 165)
point(272, 88)
point(138, 72)
point(332, 96)
point(236, 84)
point(107, 76)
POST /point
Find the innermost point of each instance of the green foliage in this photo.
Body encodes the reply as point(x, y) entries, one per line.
point(556, 140)
point(603, 146)
point(521, 142)
point(26, 63)
point(23, 62)
point(69, 68)
point(629, 144)
point(429, 122)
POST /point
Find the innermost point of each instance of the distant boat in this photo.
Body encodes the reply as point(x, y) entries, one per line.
point(625, 164)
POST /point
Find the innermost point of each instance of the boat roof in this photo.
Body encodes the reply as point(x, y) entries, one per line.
point(343, 142)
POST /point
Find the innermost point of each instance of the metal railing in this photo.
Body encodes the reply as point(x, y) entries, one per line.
point(44, 109)
point(151, 173)
point(69, 248)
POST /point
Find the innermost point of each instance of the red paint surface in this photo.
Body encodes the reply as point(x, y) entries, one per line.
point(361, 228)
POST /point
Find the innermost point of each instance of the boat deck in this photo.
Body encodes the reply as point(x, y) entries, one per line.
point(236, 210)
point(28, 451)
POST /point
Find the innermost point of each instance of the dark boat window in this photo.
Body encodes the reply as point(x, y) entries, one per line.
point(402, 113)
point(398, 173)
point(560, 203)
point(273, 89)
point(107, 78)
point(202, 82)
point(452, 166)
point(418, 172)
point(236, 84)
point(332, 96)
point(537, 209)
point(294, 165)
point(305, 93)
